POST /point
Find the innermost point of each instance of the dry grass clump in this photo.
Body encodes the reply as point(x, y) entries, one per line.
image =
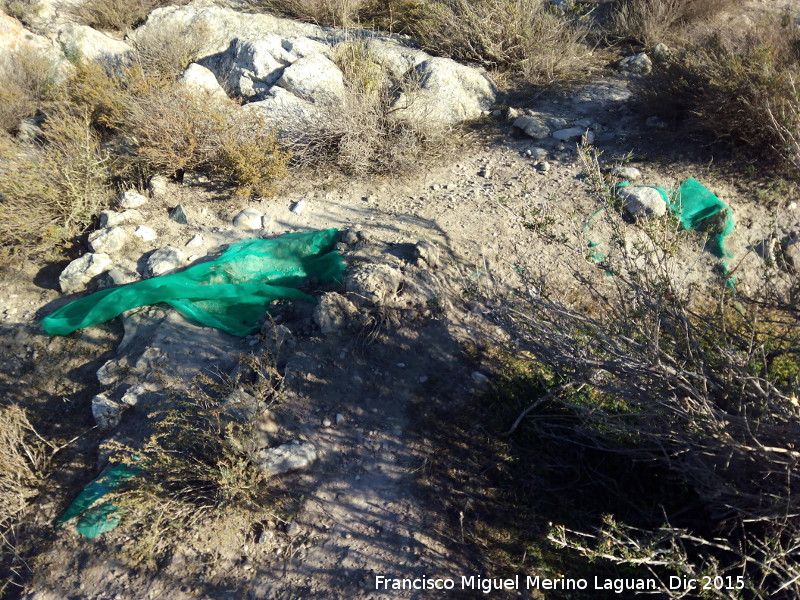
point(118, 15)
point(162, 52)
point(29, 80)
point(365, 132)
point(741, 86)
point(525, 38)
point(49, 192)
point(199, 466)
point(522, 37)
point(649, 22)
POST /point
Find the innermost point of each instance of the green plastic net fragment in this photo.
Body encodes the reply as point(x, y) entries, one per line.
point(97, 518)
point(695, 204)
point(230, 293)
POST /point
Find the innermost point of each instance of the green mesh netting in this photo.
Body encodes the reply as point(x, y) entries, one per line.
point(97, 518)
point(230, 293)
point(694, 204)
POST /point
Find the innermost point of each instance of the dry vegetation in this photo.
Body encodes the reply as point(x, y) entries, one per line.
point(649, 22)
point(705, 386)
point(741, 86)
point(118, 15)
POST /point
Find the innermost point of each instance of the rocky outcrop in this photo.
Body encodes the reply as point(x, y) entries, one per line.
point(284, 69)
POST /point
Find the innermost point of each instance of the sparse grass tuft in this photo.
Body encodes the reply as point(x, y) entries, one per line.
point(365, 132)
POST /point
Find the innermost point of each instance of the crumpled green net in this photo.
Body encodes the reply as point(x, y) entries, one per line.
point(230, 293)
point(693, 204)
point(97, 518)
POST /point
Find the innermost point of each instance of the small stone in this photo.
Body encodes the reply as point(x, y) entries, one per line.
point(326, 422)
point(107, 413)
point(178, 214)
point(544, 166)
point(77, 275)
point(298, 207)
point(288, 457)
point(144, 233)
point(132, 199)
point(194, 242)
point(486, 172)
point(164, 260)
point(340, 419)
point(642, 202)
point(249, 218)
point(536, 153)
point(428, 252)
point(293, 529)
point(110, 218)
point(532, 126)
point(479, 377)
point(661, 53)
point(107, 241)
point(333, 312)
point(584, 123)
point(629, 173)
point(574, 134)
point(349, 237)
point(423, 379)
point(638, 64)
point(450, 186)
point(791, 250)
point(401, 365)
point(132, 396)
point(157, 186)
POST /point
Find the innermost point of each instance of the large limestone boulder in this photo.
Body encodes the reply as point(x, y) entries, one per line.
point(314, 78)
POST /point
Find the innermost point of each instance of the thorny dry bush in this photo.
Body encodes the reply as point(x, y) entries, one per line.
point(705, 384)
point(29, 80)
point(24, 462)
point(649, 22)
point(198, 469)
point(525, 38)
point(50, 192)
point(364, 131)
point(741, 86)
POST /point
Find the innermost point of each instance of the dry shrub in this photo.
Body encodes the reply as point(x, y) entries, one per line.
point(29, 80)
point(177, 130)
point(162, 52)
point(25, 459)
point(651, 21)
point(118, 15)
point(740, 86)
point(365, 131)
point(24, 10)
point(50, 192)
point(199, 467)
point(328, 13)
point(704, 386)
point(523, 37)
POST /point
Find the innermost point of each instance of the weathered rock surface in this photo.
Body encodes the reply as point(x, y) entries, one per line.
point(91, 44)
point(638, 64)
point(333, 312)
point(532, 126)
point(199, 78)
point(164, 260)
point(132, 199)
point(373, 283)
point(249, 218)
point(82, 270)
point(642, 202)
point(110, 218)
point(108, 241)
point(288, 457)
